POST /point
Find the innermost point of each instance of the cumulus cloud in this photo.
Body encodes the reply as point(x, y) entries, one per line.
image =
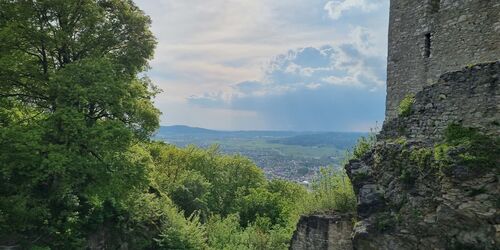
point(336, 8)
point(343, 65)
point(350, 64)
point(216, 60)
point(314, 88)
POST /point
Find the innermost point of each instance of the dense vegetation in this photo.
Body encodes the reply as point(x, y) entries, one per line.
point(468, 147)
point(77, 167)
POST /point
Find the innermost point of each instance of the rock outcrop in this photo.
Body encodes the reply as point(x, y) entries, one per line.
point(431, 181)
point(332, 232)
point(414, 190)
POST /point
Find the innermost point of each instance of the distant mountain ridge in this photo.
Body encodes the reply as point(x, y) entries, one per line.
point(340, 140)
point(182, 129)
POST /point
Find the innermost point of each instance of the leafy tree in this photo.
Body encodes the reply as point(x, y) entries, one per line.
point(72, 110)
point(220, 180)
point(261, 203)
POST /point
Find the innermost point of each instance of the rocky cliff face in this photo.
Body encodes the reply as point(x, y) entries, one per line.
point(432, 179)
point(332, 232)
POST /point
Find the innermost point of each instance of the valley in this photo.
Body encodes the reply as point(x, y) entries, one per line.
point(288, 155)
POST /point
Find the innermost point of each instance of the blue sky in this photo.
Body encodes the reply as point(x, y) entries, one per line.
point(270, 64)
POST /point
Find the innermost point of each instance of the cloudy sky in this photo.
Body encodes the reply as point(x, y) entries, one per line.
point(313, 65)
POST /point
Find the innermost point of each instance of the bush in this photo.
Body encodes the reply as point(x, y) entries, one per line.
point(331, 191)
point(405, 105)
point(363, 146)
point(227, 234)
point(422, 157)
point(156, 217)
point(467, 146)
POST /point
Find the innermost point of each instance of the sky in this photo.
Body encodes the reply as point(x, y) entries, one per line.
point(303, 65)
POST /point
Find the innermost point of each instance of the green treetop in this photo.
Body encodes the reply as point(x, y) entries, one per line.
point(71, 110)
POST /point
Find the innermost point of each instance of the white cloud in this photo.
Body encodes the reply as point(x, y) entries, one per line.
point(349, 65)
point(336, 8)
point(205, 47)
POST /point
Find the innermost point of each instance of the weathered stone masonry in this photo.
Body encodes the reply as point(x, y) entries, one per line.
point(470, 97)
point(428, 38)
point(404, 202)
point(328, 232)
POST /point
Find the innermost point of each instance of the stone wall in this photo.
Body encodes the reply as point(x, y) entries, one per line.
point(470, 97)
point(404, 204)
point(430, 37)
point(323, 232)
point(409, 199)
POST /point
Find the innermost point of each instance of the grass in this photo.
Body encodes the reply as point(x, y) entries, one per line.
point(404, 108)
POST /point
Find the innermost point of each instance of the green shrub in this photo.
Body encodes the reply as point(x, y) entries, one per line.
point(363, 146)
point(405, 105)
point(401, 140)
point(467, 146)
point(331, 191)
point(422, 157)
point(227, 234)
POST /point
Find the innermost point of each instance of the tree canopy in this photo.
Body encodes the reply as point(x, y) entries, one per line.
point(71, 110)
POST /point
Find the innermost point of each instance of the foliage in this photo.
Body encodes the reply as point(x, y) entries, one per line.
point(401, 140)
point(262, 214)
point(154, 222)
point(72, 111)
point(214, 181)
point(261, 203)
point(404, 107)
point(422, 157)
point(331, 191)
point(467, 146)
point(364, 145)
point(227, 234)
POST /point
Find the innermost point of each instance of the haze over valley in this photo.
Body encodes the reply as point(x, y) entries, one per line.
point(290, 155)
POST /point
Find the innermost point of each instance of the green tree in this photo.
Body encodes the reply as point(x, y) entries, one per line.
point(72, 110)
point(229, 177)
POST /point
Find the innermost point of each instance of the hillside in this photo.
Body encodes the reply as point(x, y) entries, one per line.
point(285, 154)
point(338, 140)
